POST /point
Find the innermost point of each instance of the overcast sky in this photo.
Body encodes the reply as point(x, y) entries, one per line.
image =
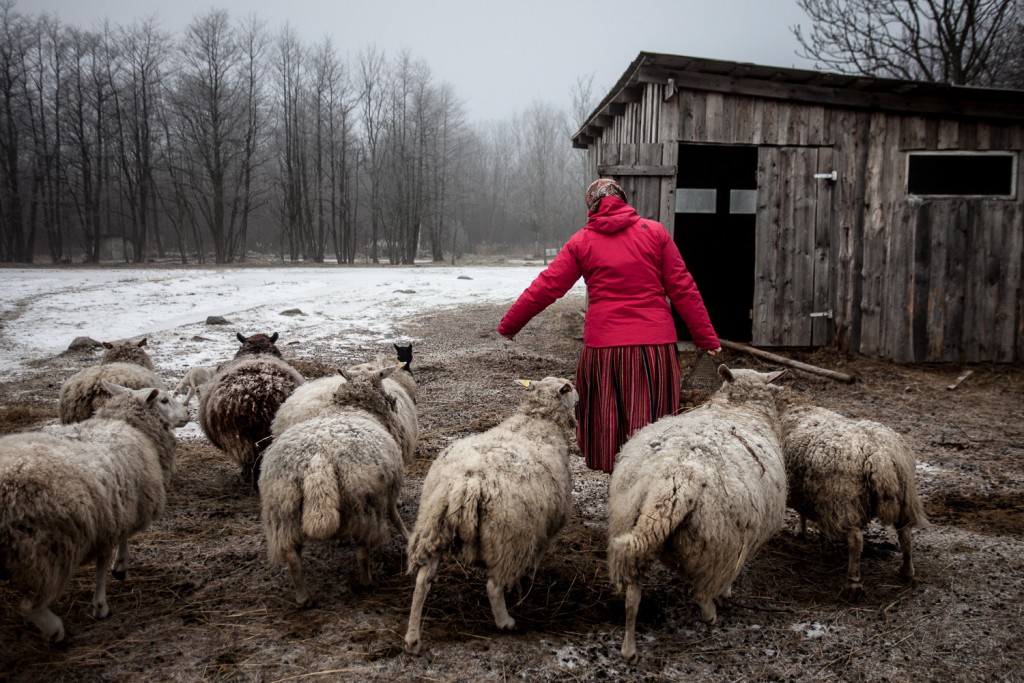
point(500, 57)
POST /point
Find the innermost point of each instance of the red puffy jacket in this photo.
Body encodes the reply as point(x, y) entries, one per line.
point(630, 264)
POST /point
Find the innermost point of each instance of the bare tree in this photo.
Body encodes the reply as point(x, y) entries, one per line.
point(207, 103)
point(137, 99)
point(373, 100)
point(962, 42)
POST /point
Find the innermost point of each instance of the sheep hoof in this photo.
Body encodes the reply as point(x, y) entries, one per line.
point(119, 574)
point(506, 625)
point(855, 591)
point(58, 636)
point(630, 658)
point(414, 647)
point(308, 603)
point(100, 611)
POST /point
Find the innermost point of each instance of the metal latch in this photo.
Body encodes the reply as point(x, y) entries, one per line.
point(822, 314)
point(833, 176)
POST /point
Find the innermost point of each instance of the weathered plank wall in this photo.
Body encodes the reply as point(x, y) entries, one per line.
point(910, 279)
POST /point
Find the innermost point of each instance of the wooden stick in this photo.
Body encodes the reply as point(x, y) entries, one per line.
point(960, 379)
point(805, 367)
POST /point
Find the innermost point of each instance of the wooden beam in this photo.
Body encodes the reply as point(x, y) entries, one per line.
point(636, 170)
point(781, 360)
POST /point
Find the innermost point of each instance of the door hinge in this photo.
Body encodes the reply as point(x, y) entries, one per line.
point(821, 314)
point(833, 176)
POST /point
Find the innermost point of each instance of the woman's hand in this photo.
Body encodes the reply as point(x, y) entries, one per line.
point(715, 352)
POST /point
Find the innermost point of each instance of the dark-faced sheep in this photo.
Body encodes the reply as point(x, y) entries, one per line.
point(701, 491)
point(75, 493)
point(123, 363)
point(337, 475)
point(242, 398)
point(496, 499)
point(843, 473)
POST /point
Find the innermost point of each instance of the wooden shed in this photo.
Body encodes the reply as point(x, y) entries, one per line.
point(878, 215)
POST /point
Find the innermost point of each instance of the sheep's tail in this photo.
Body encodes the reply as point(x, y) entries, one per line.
point(448, 521)
point(321, 515)
point(891, 478)
point(662, 511)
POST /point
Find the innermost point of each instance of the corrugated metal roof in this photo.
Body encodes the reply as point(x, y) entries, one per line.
point(802, 85)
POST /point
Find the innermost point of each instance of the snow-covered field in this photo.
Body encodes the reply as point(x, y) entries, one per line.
point(42, 310)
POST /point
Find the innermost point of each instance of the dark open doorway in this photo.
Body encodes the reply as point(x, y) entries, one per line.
point(716, 210)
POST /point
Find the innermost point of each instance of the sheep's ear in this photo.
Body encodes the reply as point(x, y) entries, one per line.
point(273, 338)
point(113, 389)
point(344, 373)
point(566, 388)
point(725, 373)
point(401, 366)
point(153, 393)
point(525, 382)
point(386, 372)
point(142, 343)
point(775, 376)
point(108, 345)
point(241, 339)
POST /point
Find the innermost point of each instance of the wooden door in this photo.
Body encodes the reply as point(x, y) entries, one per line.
point(793, 290)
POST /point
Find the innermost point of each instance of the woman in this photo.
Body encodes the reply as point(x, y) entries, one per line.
point(628, 373)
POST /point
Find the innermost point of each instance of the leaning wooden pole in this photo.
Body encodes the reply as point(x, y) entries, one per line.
point(813, 369)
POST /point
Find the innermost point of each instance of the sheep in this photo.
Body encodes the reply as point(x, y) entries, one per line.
point(336, 476)
point(496, 499)
point(842, 474)
point(125, 363)
point(315, 397)
point(76, 492)
point(194, 380)
point(702, 491)
point(241, 399)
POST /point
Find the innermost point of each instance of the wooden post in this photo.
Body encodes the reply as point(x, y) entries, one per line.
point(805, 367)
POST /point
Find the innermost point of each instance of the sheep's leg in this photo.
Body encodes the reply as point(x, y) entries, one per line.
point(706, 602)
point(802, 533)
point(100, 609)
point(425, 575)
point(121, 561)
point(496, 594)
point(294, 559)
point(855, 546)
point(363, 562)
point(44, 619)
point(632, 607)
point(907, 570)
point(396, 519)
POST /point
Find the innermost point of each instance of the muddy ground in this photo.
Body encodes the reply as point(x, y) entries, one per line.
point(201, 603)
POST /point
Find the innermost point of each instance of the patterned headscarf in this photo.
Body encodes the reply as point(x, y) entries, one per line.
point(602, 187)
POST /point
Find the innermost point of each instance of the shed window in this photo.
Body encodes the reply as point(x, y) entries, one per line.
point(960, 174)
point(695, 200)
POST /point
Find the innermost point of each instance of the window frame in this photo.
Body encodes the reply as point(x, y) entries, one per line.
point(1014, 156)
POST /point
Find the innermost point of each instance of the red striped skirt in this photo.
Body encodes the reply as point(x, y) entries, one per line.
point(622, 389)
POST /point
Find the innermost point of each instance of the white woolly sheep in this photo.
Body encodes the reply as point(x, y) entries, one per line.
point(194, 380)
point(76, 492)
point(123, 363)
point(702, 491)
point(335, 476)
point(843, 473)
point(496, 499)
point(315, 398)
point(242, 398)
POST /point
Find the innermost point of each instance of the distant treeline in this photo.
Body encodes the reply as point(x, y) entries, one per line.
point(129, 143)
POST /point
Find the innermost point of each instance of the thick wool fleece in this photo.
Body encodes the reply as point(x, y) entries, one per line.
point(83, 393)
point(702, 491)
point(497, 498)
point(844, 472)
